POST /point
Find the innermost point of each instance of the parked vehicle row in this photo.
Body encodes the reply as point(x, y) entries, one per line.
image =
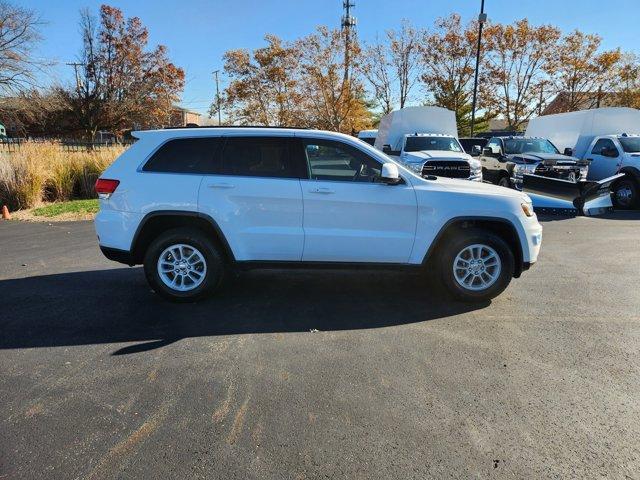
point(596, 145)
point(606, 138)
point(193, 204)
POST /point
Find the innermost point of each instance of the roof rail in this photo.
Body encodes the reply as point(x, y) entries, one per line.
point(193, 125)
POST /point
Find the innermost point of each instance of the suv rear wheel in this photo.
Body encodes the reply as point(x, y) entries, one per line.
point(183, 265)
point(476, 265)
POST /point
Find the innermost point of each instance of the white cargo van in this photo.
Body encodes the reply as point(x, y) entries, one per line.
point(425, 139)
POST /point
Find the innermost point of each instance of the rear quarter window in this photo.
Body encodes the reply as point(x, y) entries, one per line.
point(186, 155)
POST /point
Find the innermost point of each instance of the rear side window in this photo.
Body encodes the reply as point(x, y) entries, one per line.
point(186, 155)
point(258, 157)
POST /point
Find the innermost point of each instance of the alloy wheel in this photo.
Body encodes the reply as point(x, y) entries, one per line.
point(477, 267)
point(182, 267)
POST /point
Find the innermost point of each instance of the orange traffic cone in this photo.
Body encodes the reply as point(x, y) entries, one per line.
point(5, 213)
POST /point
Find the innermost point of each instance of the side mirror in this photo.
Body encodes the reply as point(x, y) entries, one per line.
point(390, 174)
point(568, 152)
point(386, 149)
point(487, 152)
point(476, 150)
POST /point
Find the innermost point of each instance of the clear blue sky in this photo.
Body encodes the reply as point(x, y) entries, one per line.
point(198, 32)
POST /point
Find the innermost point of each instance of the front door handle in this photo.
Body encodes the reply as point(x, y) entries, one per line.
point(221, 185)
point(323, 190)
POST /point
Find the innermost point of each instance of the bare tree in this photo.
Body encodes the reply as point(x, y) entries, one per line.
point(18, 38)
point(404, 57)
point(375, 69)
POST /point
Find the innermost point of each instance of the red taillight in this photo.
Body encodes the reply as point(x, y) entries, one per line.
point(105, 187)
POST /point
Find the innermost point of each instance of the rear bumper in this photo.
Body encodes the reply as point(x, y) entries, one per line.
point(117, 255)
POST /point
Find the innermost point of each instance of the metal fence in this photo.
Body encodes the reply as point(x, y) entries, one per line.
point(68, 145)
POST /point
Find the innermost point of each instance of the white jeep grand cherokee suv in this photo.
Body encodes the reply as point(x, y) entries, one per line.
point(191, 204)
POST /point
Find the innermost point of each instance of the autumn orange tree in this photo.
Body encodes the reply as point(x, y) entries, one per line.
point(515, 66)
point(628, 91)
point(120, 84)
point(448, 54)
point(332, 101)
point(581, 72)
point(265, 85)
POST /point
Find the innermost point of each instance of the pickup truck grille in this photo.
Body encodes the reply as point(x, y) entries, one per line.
point(564, 172)
point(448, 168)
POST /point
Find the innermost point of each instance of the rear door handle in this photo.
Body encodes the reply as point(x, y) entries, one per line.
point(323, 190)
point(221, 185)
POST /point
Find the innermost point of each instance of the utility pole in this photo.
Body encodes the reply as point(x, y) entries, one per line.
point(215, 72)
point(75, 66)
point(540, 104)
point(348, 22)
point(482, 18)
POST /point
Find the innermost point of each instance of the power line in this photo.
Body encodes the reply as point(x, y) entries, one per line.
point(75, 66)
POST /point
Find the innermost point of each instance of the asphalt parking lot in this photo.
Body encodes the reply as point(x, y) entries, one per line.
point(99, 378)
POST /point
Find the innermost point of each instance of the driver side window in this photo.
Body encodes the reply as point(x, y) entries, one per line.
point(603, 143)
point(334, 161)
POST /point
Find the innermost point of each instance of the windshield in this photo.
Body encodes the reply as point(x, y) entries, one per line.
point(528, 145)
point(417, 144)
point(630, 144)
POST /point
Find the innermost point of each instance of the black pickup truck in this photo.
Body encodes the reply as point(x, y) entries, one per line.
point(506, 159)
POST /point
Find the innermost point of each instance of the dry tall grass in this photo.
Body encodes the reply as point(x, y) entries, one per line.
point(45, 172)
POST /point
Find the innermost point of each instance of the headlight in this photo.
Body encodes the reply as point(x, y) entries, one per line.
point(521, 169)
point(476, 167)
point(416, 167)
point(527, 208)
point(583, 173)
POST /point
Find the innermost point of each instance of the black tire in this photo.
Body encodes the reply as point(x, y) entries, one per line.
point(504, 182)
point(455, 245)
point(213, 260)
point(625, 194)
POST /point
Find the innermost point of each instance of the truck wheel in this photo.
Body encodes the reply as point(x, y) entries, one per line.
point(183, 265)
point(504, 182)
point(625, 194)
point(476, 265)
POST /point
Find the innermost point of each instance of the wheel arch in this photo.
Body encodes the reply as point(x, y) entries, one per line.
point(499, 226)
point(155, 223)
point(630, 172)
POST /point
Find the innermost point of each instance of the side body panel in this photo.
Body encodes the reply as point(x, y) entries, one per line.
point(358, 222)
point(261, 218)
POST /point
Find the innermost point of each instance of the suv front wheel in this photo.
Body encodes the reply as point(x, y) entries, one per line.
point(183, 265)
point(476, 265)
